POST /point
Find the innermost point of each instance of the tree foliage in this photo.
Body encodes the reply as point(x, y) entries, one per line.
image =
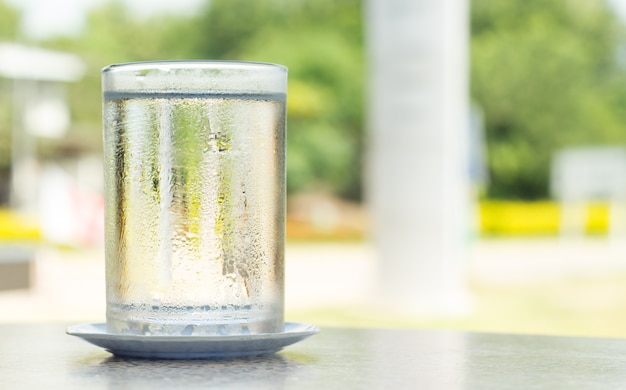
point(546, 73)
point(546, 76)
point(319, 41)
point(9, 19)
point(321, 44)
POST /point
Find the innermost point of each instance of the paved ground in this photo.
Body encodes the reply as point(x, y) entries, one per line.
point(69, 285)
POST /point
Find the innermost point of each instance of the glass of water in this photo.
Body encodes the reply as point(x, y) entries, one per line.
point(194, 157)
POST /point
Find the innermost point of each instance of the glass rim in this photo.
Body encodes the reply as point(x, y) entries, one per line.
point(190, 64)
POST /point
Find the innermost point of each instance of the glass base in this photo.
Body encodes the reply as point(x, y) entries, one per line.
point(192, 320)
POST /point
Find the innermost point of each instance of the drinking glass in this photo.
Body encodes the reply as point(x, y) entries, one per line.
point(194, 157)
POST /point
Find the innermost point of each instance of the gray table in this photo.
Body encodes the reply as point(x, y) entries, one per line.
point(43, 357)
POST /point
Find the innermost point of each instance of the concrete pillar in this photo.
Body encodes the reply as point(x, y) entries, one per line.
point(417, 167)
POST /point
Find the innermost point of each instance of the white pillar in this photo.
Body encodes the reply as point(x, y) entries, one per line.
point(417, 168)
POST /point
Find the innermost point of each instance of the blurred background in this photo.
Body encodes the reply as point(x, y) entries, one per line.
point(540, 137)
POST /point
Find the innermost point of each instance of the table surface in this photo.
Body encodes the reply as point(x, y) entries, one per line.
point(43, 356)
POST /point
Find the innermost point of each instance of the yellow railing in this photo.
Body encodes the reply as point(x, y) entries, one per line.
point(535, 218)
point(494, 218)
point(17, 227)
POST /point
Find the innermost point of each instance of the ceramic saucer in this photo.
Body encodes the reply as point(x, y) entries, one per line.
point(192, 347)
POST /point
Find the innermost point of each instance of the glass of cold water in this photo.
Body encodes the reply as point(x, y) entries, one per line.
point(194, 197)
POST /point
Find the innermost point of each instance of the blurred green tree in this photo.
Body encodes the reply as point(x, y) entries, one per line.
point(320, 41)
point(546, 75)
point(9, 21)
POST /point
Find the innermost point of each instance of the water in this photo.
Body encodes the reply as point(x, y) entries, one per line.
point(194, 189)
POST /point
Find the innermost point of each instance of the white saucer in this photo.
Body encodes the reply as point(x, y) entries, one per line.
point(192, 347)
